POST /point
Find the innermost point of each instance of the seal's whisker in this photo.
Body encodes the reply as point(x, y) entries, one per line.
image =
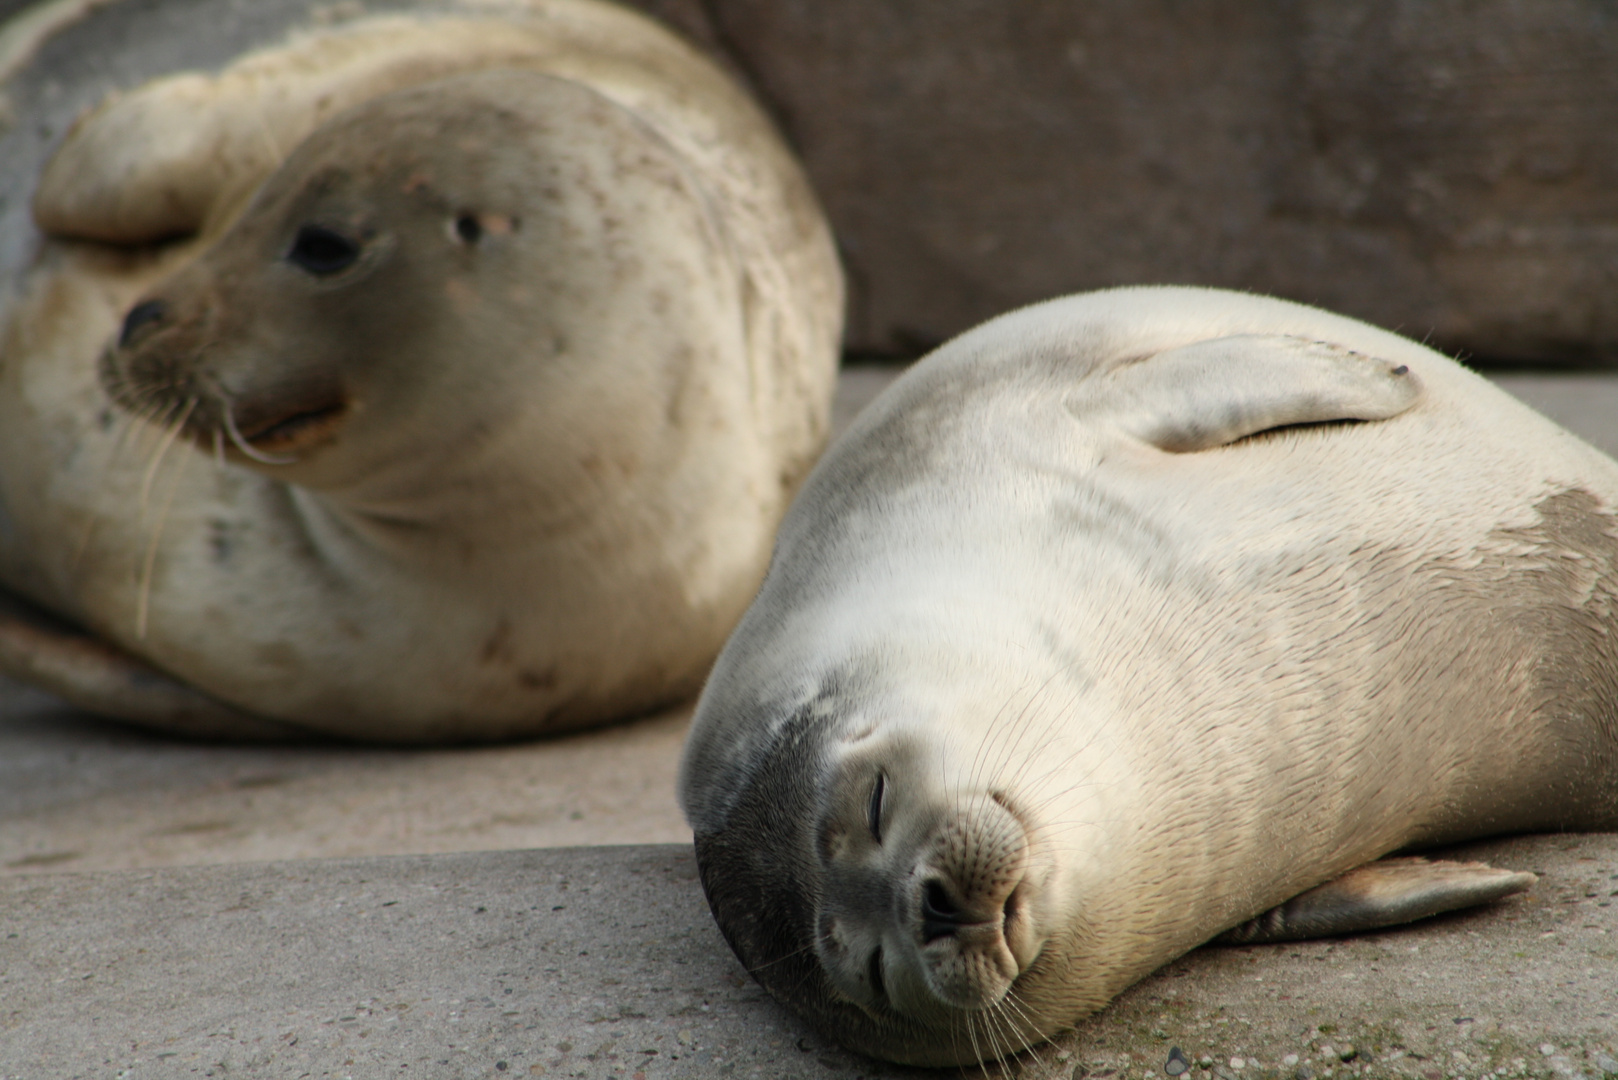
point(993, 1043)
point(972, 1036)
point(1005, 1042)
point(241, 443)
point(162, 450)
point(783, 958)
point(128, 420)
point(1054, 718)
point(146, 419)
point(125, 422)
point(1085, 750)
point(1002, 738)
point(989, 735)
point(1027, 1029)
point(149, 563)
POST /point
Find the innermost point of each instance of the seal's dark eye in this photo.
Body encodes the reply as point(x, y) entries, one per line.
point(873, 814)
point(321, 251)
point(468, 228)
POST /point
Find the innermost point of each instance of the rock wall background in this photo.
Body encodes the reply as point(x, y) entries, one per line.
point(1446, 168)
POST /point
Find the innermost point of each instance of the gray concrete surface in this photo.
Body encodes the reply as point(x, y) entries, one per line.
point(604, 963)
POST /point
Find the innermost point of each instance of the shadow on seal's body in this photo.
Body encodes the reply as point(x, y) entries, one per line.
point(1136, 618)
point(427, 379)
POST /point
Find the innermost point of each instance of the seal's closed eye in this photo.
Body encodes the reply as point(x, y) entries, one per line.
point(873, 814)
point(322, 251)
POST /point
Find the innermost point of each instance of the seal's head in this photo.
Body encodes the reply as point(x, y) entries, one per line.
point(423, 266)
point(884, 883)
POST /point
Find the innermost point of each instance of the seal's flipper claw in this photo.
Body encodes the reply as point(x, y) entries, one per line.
point(41, 650)
point(1384, 893)
point(1215, 392)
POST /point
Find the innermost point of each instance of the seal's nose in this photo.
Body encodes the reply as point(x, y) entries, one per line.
point(147, 311)
point(940, 915)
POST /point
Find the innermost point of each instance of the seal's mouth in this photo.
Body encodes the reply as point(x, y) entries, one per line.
point(289, 425)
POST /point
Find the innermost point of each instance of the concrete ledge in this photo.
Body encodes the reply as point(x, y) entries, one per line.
point(601, 962)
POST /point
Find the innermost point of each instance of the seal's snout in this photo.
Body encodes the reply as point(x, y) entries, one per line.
point(149, 368)
point(968, 916)
point(144, 314)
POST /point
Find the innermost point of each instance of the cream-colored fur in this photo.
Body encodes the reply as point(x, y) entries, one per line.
point(554, 487)
point(1221, 596)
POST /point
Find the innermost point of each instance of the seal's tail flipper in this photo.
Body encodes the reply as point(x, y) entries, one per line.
point(1215, 392)
point(40, 650)
point(1384, 893)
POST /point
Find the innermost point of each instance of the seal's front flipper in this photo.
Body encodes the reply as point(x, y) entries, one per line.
point(41, 650)
point(1384, 893)
point(1215, 392)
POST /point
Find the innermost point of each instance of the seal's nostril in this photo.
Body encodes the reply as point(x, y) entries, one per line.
point(147, 311)
point(935, 902)
point(939, 915)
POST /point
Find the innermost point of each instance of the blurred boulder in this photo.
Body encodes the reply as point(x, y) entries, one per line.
point(1448, 168)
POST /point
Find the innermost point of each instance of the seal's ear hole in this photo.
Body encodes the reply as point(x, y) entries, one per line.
point(468, 228)
point(322, 252)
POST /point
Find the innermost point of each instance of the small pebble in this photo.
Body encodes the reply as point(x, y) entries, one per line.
point(1328, 1050)
point(1177, 1064)
point(1304, 1073)
point(1346, 1052)
point(1238, 1063)
point(1606, 1064)
point(1290, 1059)
point(1547, 1049)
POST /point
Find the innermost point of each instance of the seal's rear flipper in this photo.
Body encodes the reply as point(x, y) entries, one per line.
point(1383, 893)
point(41, 650)
point(1215, 392)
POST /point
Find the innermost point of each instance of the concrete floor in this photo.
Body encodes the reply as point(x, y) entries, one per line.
point(604, 963)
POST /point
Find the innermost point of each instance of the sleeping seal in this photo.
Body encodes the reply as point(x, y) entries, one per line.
point(1131, 619)
point(465, 406)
